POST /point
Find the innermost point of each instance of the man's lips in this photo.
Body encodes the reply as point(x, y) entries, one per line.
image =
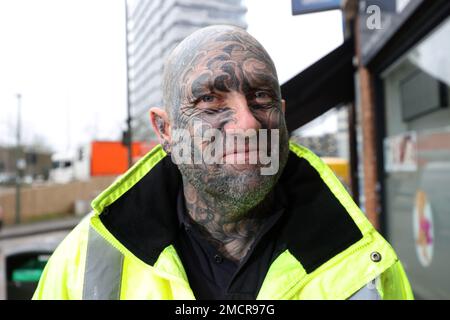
point(246, 156)
point(245, 151)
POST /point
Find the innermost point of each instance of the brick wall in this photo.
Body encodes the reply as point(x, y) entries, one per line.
point(50, 199)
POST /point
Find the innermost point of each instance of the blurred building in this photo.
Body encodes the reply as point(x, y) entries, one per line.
point(327, 135)
point(37, 164)
point(155, 28)
point(324, 145)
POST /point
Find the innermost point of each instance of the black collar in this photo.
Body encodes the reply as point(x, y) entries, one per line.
point(316, 227)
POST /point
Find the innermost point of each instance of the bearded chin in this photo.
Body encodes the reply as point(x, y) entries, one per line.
point(239, 191)
point(242, 190)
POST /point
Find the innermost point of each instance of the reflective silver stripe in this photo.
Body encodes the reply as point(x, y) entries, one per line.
point(368, 292)
point(103, 271)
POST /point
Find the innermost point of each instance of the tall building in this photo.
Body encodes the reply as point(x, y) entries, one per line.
point(155, 27)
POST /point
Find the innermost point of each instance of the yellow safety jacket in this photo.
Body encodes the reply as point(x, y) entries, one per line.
point(124, 248)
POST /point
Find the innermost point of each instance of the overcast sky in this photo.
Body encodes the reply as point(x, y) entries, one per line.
point(67, 59)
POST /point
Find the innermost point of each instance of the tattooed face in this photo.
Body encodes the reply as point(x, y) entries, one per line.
point(223, 78)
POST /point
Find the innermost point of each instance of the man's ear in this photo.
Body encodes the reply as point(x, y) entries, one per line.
point(161, 125)
point(283, 105)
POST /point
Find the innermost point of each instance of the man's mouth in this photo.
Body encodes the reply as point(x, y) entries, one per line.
point(244, 155)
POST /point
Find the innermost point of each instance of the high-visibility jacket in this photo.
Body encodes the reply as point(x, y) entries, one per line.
point(125, 248)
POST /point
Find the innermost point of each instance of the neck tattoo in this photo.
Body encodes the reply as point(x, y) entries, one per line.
point(224, 225)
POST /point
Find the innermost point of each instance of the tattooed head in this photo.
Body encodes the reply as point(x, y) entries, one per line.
point(222, 77)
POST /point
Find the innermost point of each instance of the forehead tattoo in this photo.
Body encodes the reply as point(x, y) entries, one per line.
point(219, 58)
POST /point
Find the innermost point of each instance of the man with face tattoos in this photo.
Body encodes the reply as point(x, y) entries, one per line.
point(188, 223)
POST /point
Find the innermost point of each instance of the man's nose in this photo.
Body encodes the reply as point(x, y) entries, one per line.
point(243, 117)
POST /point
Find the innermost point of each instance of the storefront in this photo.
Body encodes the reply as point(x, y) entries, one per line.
point(407, 58)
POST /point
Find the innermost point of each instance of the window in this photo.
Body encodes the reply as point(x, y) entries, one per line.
point(417, 161)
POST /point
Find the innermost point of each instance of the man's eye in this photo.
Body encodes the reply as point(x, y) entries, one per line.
point(208, 98)
point(262, 97)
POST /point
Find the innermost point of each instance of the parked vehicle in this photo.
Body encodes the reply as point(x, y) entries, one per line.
point(99, 158)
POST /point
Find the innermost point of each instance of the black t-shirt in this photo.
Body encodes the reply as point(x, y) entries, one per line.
point(214, 277)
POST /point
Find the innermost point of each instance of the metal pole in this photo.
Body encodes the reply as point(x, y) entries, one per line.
point(129, 135)
point(18, 160)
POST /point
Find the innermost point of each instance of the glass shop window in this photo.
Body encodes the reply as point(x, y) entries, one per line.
point(417, 161)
